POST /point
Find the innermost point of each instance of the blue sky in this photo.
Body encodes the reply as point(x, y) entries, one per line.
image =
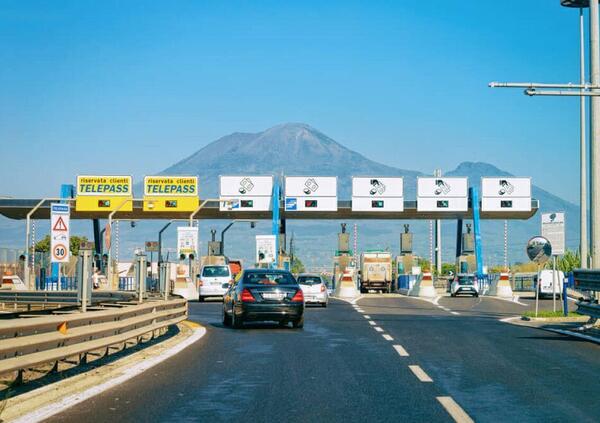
point(132, 87)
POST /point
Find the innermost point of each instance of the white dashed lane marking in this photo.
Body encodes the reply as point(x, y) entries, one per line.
point(420, 373)
point(372, 323)
point(456, 412)
point(387, 337)
point(366, 316)
point(401, 351)
point(378, 329)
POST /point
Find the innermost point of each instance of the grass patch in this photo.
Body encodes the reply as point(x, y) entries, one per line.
point(547, 313)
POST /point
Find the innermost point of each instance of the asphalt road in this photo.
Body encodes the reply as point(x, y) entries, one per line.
point(340, 367)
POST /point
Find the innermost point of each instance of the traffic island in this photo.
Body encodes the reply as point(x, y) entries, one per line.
point(23, 404)
point(574, 324)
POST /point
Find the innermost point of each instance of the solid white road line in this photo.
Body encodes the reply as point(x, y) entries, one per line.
point(354, 301)
point(366, 316)
point(378, 329)
point(420, 373)
point(455, 313)
point(360, 310)
point(456, 412)
point(436, 299)
point(387, 337)
point(372, 323)
point(130, 372)
point(401, 350)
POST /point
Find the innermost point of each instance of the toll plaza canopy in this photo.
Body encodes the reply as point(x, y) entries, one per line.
point(19, 208)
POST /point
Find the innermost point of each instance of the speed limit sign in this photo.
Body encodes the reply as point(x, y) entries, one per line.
point(59, 252)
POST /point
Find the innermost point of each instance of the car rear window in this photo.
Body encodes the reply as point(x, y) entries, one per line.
point(269, 278)
point(466, 281)
point(215, 271)
point(309, 280)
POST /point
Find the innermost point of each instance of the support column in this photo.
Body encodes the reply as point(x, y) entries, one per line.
point(595, 135)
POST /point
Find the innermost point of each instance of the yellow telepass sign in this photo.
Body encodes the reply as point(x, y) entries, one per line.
point(170, 193)
point(104, 193)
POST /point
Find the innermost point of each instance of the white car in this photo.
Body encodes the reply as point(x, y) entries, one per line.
point(314, 289)
point(214, 281)
point(546, 288)
point(464, 284)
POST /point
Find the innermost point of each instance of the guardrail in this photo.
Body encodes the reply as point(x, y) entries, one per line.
point(30, 342)
point(588, 280)
point(61, 297)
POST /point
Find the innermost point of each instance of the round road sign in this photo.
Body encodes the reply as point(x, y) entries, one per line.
point(539, 249)
point(59, 252)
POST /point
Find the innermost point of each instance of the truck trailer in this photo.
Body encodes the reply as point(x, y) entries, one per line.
point(376, 271)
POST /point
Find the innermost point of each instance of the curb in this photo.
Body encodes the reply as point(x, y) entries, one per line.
point(128, 372)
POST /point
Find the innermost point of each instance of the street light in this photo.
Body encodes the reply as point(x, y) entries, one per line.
point(252, 225)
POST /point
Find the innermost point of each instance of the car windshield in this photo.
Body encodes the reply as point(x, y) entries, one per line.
point(269, 278)
point(309, 280)
point(215, 271)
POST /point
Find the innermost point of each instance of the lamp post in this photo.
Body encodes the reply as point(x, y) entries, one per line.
point(252, 225)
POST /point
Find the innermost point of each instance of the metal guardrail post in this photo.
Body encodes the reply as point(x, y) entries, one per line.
point(140, 275)
point(84, 275)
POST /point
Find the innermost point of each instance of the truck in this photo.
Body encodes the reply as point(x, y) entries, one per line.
point(376, 271)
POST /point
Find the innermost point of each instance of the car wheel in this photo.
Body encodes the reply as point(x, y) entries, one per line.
point(476, 295)
point(324, 304)
point(226, 318)
point(200, 299)
point(453, 295)
point(298, 323)
point(283, 323)
point(236, 321)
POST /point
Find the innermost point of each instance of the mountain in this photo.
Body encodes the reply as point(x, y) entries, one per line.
point(291, 148)
point(299, 149)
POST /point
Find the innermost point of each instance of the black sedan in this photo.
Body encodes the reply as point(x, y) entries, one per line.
point(261, 295)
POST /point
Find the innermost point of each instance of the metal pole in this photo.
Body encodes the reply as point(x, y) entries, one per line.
point(583, 236)
point(109, 272)
point(438, 237)
point(506, 245)
point(537, 291)
point(223, 237)
point(554, 283)
point(431, 246)
point(595, 135)
point(27, 235)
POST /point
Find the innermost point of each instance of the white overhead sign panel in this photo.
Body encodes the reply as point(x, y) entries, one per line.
point(553, 229)
point(505, 194)
point(311, 193)
point(442, 194)
point(245, 193)
point(59, 232)
point(377, 194)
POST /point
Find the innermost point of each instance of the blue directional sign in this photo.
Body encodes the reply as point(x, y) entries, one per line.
point(291, 203)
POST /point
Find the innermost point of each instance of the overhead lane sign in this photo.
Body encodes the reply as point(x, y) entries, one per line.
point(59, 232)
point(505, 194)
point(377, 194)
point(442, 194)
point(311, 193)
point(170, 193)
point(245, 193)
point(104, 193)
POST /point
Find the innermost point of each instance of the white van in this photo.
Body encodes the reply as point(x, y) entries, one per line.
point(546, 283)
point(214, 281)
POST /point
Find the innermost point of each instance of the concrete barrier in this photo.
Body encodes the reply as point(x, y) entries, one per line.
point(423, 287)
point(501, 287)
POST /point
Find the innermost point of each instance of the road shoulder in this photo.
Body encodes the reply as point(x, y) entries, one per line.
point(44, 402)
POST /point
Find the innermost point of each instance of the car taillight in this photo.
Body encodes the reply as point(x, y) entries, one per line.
point(298, 297)
point(247, 296)
point(322, 288)
point(200, 283)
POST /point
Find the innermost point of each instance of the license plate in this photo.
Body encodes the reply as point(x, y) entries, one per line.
point(272, 296)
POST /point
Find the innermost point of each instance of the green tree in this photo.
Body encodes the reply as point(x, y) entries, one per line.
point(447, 268)
point(569, 261)
point(43, 245)
point(296, 265)
point(424, 264)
